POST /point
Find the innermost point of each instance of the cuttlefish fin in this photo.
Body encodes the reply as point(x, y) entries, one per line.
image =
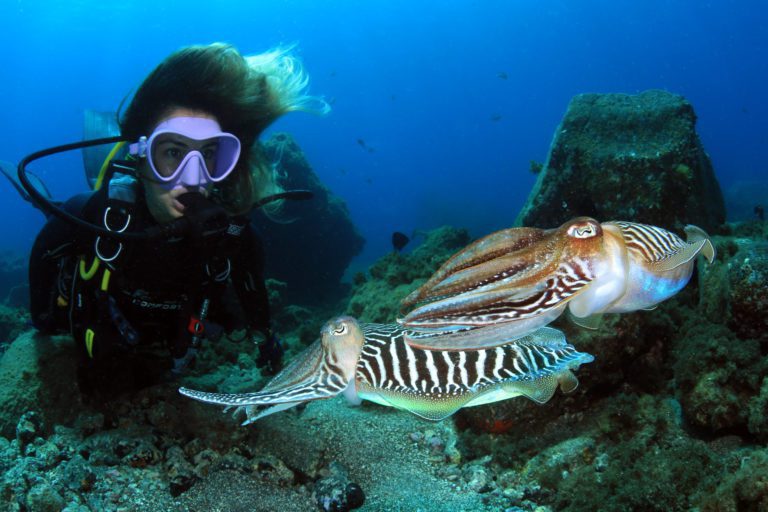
point(568, 382)
point(432, 409)
point(695, 234)
point(697, 242)
point(591, 322)
point(542, 389)
point(682, 257)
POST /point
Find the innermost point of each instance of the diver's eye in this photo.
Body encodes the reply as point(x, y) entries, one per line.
point(174, 153)
point(340, 329)
point(209, 153)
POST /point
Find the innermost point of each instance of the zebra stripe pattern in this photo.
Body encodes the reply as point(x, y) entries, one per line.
point(388, 363)
point(650, 243)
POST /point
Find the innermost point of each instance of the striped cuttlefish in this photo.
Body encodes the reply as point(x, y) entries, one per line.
point(515, 281)
point(373, 362)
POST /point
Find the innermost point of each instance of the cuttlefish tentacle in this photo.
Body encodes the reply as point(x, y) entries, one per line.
point(504, 294)
point(430, 384)
point(447, 280)
point(505, 286)
point(322, 370)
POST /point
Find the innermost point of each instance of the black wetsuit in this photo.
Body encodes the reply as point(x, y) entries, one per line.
point(152, 293)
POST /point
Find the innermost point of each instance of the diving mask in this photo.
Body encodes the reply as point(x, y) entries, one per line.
point(188, 152)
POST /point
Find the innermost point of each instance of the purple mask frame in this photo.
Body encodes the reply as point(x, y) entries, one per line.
point(192, 171)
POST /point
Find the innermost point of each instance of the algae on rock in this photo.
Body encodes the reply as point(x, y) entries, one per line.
point(627, 157)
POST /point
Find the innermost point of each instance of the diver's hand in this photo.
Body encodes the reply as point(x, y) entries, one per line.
point(204, 217)
point(270, 355)
point(180, 364)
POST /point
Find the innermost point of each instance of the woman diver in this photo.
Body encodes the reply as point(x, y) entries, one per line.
point(148, 255)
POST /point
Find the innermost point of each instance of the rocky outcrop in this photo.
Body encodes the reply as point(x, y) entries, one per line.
point(311, 245)
point(627, 157)
point(38, 372)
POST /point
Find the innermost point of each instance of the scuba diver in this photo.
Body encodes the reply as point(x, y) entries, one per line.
point(146, 258)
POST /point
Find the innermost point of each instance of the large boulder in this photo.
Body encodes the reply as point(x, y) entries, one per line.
point(312, 242)
point(627, 157)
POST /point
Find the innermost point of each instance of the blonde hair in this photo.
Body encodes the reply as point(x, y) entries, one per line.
point(287, 90)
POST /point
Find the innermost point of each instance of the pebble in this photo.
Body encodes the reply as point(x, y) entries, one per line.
point(29, 427)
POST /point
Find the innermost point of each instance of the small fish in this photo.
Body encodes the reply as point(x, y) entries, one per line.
point(362, 144)
point(502, 74)
point(399, 240)
point(496, 118)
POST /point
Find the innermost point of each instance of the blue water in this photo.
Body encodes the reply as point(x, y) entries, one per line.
point(418, 81)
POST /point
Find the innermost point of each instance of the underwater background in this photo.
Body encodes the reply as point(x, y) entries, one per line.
point(451, 100)
point(450, 120)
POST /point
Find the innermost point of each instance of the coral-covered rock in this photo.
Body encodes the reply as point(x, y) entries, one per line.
point(13, 321)
point(312, 252)
point(736, 289)
point(627, 157)
point(44, 498)
point(38, 373)
point(719, 379)
point(746, 488)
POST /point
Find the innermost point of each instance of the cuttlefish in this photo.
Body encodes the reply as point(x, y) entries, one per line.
point(373, 362)
point(515, 281)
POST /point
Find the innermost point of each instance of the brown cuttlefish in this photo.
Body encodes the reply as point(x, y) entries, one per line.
point(517, 280)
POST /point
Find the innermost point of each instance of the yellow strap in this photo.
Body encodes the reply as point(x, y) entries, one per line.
point(88, 275)
point(103, 171)
point(89, 334)
point(105, 280)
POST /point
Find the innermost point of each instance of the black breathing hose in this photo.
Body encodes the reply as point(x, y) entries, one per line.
point(178, 227)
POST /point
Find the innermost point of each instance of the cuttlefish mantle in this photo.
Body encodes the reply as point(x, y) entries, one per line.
point(432, 385)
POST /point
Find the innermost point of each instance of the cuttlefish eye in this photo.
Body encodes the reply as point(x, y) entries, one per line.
point(340, 329)
point(584, 229)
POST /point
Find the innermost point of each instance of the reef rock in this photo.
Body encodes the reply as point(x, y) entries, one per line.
point(38, 373)
point(627, 157)
point(735, 291)
point(313, 241)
